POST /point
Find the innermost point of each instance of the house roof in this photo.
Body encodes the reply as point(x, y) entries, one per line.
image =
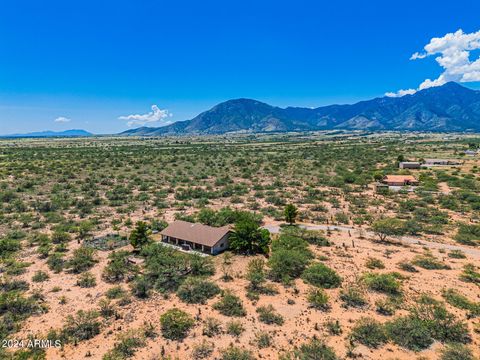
point(195, 232)
point(399, 178)
point(439, 160)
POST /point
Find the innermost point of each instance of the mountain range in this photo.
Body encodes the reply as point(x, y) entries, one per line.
point(49, 133)
point(450, 107)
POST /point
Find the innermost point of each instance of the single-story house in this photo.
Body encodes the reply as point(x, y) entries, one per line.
point(440, 162)
point(470, 152)
point(409, 165)
point(399, 180)
point(195, 236)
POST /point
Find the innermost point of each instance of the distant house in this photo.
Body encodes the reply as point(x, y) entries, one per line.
point(470, 152)
point(409, 165)
point(440, 162)
point(399, 180)
point(195, 236)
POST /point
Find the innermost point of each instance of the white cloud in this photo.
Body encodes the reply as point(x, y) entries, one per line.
point(62, 119)
point(453, 51)
point(156, 115)
point(401, 93)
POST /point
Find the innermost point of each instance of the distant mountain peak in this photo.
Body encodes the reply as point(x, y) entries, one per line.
point(450, 107)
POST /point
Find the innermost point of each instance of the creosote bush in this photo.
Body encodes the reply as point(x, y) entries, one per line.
point(369, 332)
point(197, 290)
point(318, 299)
point(230, 305)
point(176, 324)
point(83, 326)
point(268, 315)
point(387, 283)
point(322, 276)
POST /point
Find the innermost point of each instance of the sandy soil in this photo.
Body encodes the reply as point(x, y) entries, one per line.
point(301, 322)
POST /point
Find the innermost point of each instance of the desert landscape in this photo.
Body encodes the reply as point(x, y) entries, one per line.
point(326, 260)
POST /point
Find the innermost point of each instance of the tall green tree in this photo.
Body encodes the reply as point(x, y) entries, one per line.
point(249, 238)
point(384, 228)
point(140, 236)
point(291, 213)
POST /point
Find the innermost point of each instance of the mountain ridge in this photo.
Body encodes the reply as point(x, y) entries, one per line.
point(450, 107)
point(51, 133)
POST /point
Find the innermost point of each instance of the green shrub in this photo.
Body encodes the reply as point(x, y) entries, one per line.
point(60, 237)
point(176, 324)
point(428, 321)
point(268, 315)
point(369, 332)
point(166, 269)
point(7, 285)
point(322, 276)
point(263, 339)
point(86, 280)
point(286, 265)
point(197, 290)
point(16, 305)
point(443, 325)
point(230, 305)
point(353, 296)
point(141, 287)
point(470, 274)
point(235, 328)
point(236, 353)
point(429, 262)
point(318, 299)
point(384, 283)
point(410, 333)
point(115, 292)
point(457, 254)
point(15, 268)
point(388, 306)
point(456, 352)
point(8, 247)
point(56, 262)
point(256, 275)
point(290, 255)
point(468, 234)
point(373, 263)
point(333, 327)
point(82, 260)
point(40, 276)
point(107, 310)
point(454, 298)
point(83, 326)
point(202, 350)
point(406, 266)
point(126, 347)
point(291, 242)
point(314, 349)
point(118, 267)
point(211, 327)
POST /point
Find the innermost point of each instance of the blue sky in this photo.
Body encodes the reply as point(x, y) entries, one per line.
point(91, 64)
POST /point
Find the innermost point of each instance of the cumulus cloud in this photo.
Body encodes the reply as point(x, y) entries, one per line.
point(62, 119)
point(156, 115)
point(453, 51)
point(401, 93)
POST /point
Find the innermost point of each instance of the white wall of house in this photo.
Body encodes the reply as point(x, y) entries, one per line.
point(221, 245)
